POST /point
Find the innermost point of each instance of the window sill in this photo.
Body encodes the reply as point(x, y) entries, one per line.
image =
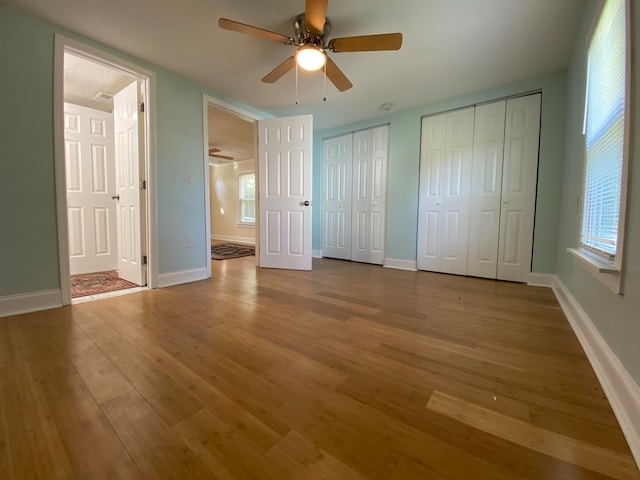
point(246, 225)
point(604, 270)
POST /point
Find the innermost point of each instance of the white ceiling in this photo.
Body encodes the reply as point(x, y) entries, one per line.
point(451, 47)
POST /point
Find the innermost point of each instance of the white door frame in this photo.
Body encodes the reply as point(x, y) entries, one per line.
point(245, 115)
point(63, 44)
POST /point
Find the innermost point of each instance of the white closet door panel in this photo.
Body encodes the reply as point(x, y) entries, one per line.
point(336, 204)
point(430, 198)
point(370, 153)
point(520, 171)
point(486, 190)
point(456, 191)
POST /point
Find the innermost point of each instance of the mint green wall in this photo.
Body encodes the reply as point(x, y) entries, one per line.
point(616, 317)
point(404, 162)
point(28, 235)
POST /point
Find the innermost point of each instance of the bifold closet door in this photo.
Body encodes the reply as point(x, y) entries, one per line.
point(486, 190)
point(519, 180)
point(336, 204)
point(369, 187)
point(503, 191)
point(445, 186)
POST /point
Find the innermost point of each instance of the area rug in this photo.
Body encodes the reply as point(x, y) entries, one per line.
point(224, 251)
point(99, 282)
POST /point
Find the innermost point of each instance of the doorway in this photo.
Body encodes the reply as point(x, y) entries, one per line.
point(103, 167)
point(230, 172)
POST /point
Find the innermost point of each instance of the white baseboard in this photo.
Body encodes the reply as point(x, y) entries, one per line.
point(316, 253)
point(621, 390)
point(400, 264)
point(229, 238)
point(541, 279)
point(182, 276)
point(30, 302)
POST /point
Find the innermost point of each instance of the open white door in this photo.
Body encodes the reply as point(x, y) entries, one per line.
point(284, 183)
point(129, 192)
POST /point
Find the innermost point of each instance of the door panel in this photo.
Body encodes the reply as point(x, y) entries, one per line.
point(430, 198)
point(456, 193)
point(284, 182)
point(520, 172)
point(129, 152)
point(486, 190)
point(90, 175)
point(336, 205)
point(369, 194)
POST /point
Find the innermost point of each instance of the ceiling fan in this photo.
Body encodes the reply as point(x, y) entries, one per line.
point(312, 29)
point(214, 152)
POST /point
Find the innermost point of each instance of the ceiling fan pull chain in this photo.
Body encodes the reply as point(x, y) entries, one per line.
point(324, 97)
point(296, 83)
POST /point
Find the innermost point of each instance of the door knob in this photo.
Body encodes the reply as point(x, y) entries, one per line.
point(375, 205)
point(115, 197)
point(306, 203)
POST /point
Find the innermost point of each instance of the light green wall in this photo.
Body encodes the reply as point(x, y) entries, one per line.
point(28, 235)
point(404, 162)
point(617, 317)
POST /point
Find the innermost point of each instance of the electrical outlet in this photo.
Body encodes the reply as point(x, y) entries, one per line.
point(188, 176)
point(189, 242)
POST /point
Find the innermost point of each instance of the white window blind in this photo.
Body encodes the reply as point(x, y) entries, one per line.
point(605, 130)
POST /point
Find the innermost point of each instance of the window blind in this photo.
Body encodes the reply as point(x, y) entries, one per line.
point(605, 117)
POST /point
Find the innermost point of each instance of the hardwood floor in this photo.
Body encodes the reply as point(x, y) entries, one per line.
point(348, 372)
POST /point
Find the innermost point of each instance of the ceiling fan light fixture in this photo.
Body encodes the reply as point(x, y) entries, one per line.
point(311, 57)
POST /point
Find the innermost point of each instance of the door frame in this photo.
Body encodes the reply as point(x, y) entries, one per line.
point(249, 117)
point(64, 44)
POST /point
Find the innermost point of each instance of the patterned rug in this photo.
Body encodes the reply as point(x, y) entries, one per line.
point(99, 282)
point(223, 251)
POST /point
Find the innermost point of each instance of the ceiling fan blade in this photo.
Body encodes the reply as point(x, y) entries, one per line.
point(214, 150)
point(251, 30)
point(277, 73)
point(222, 157)
point(367, 43)
point(314, 15)
point(337, 77)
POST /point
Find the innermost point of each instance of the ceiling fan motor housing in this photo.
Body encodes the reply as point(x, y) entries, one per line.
point(304, 37)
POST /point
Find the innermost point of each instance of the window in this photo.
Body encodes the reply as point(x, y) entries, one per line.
point(606, 135)
point(247, 198)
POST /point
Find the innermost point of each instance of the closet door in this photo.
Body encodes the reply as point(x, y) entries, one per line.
point(519, 179)
point(370, 152)
point(445, 186)
point(486, 190)
point(336, 204)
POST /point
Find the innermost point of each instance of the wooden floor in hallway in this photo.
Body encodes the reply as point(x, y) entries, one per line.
point(347, 372)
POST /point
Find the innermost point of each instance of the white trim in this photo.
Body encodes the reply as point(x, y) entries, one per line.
point(398, 264)
point(316, 253)
point(30, 302)
point(541, 279)
point(182, 276)
point(231, 238)
point(148, 78)
point(238, 111)
point(621, 390)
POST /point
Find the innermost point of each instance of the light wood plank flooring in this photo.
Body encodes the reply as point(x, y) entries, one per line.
point(348, 372)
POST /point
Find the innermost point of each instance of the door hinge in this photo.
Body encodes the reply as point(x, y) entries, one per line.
point(144, 259)
point(143, 184)
point(142, 107)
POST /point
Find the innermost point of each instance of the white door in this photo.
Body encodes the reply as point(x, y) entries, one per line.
point(336, 195)
point(90, 169)
point(486, 190)
point(370, 152)
point(519, 179)
point(129, 192)
point(445, 187)
point(284, 184)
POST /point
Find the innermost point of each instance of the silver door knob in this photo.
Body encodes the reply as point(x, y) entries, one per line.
point(115, 197)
